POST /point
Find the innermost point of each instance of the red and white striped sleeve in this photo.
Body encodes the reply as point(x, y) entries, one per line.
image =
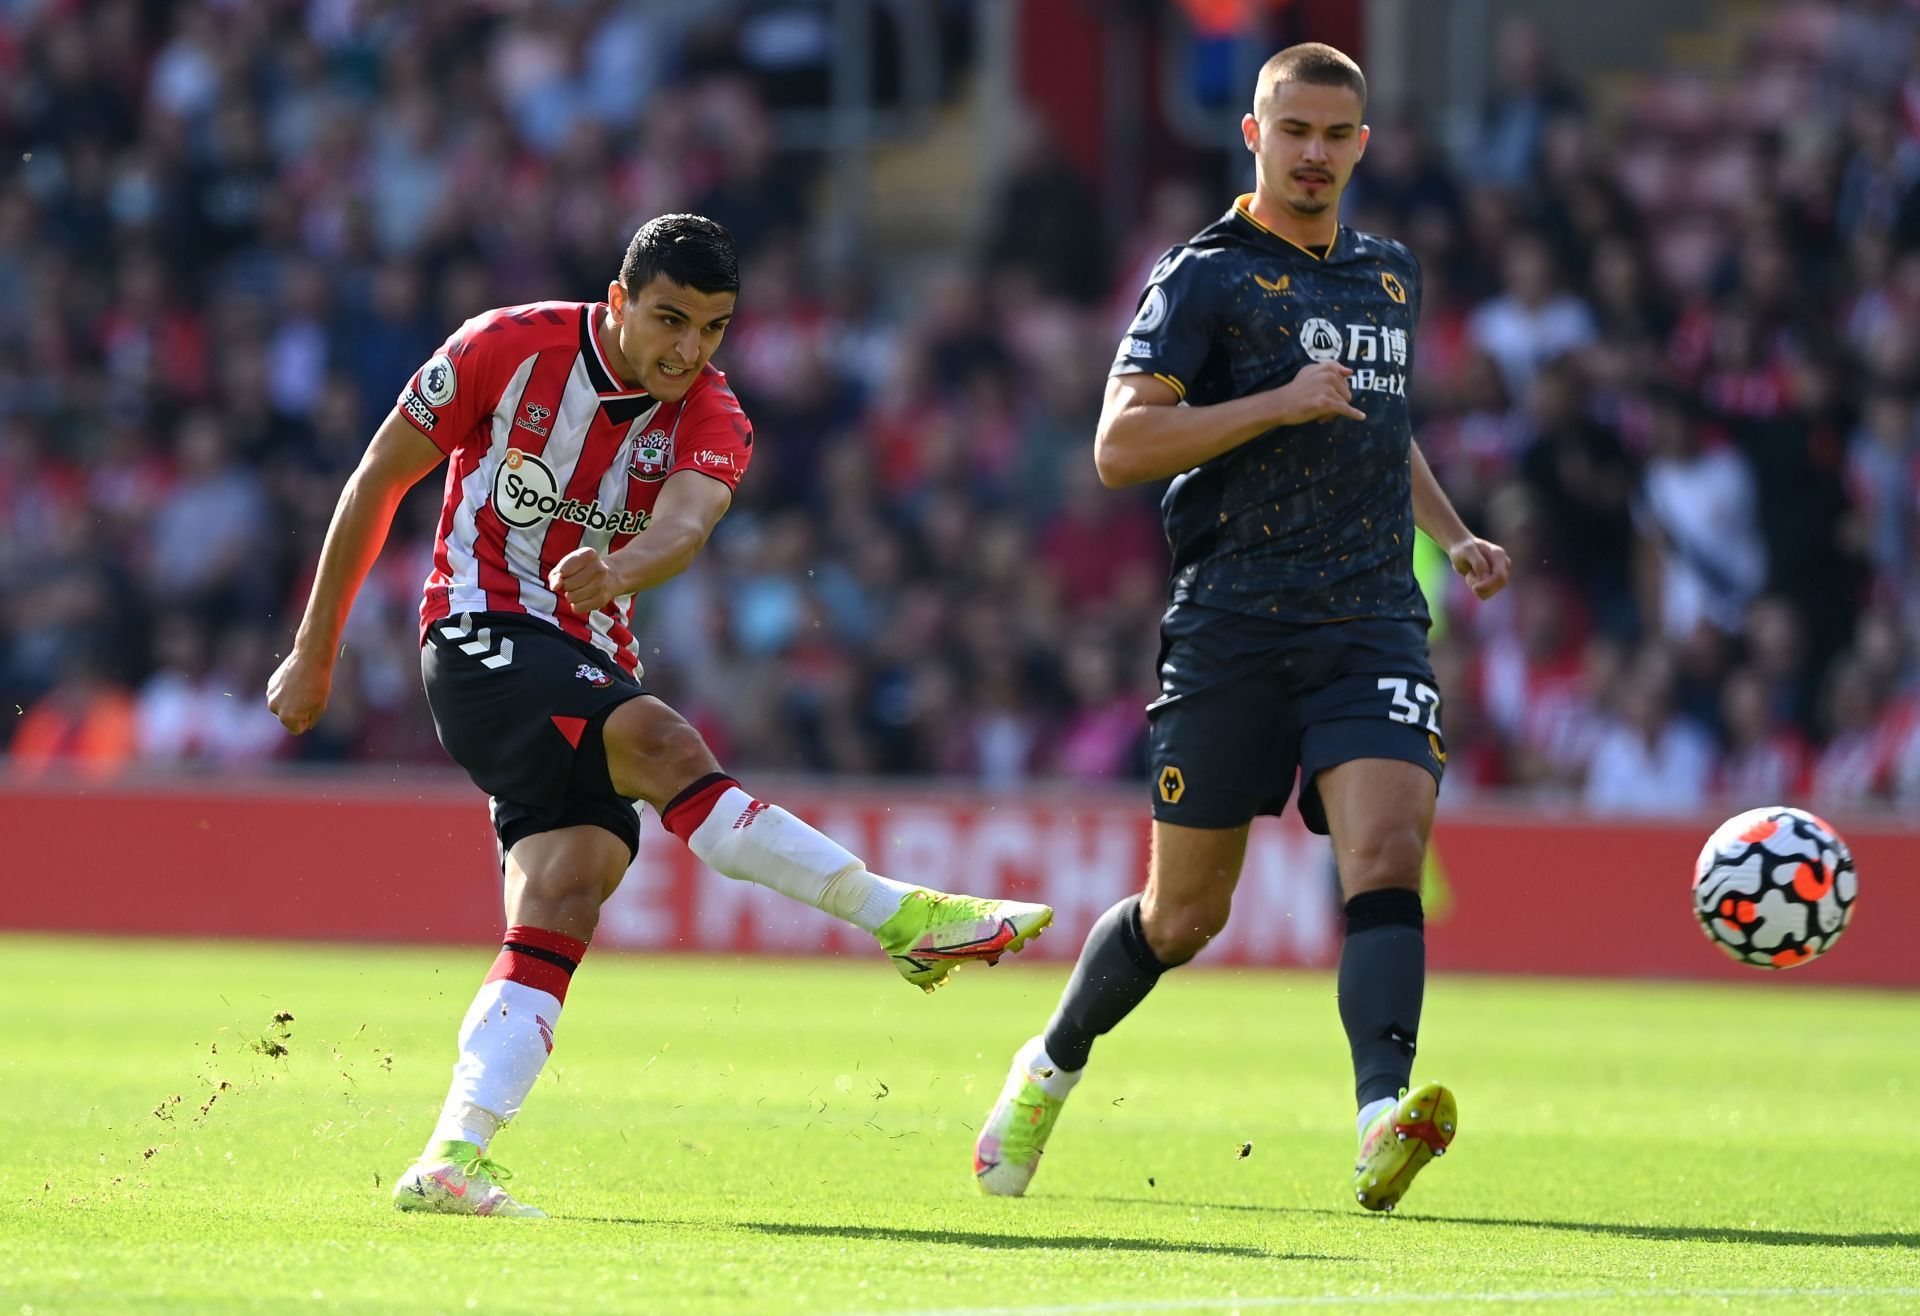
point(449, 398)
point(714, 436)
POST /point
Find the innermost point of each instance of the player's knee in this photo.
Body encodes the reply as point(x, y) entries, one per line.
point(563, 898)
point(1390, 857)
point(1178, 930)
point(655, 740)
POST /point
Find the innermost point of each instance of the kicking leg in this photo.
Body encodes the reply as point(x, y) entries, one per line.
point(1189, 892)
point(555, 884)
point(1379, 813)
point(653, 754)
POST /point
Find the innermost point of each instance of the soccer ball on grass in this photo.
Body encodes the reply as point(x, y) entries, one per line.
point(1774, 887)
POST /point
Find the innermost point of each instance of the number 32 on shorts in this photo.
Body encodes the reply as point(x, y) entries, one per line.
point(1414, 702)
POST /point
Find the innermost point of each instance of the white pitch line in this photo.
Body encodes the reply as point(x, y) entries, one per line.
point(1383, 1299)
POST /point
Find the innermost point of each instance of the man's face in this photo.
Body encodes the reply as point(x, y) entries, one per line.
point(1306, 139)
point(667, 331)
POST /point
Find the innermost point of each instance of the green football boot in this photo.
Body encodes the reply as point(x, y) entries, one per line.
point(1400, 1142)
point(453, 1178)
point(933, 933)
point(1011, 1141)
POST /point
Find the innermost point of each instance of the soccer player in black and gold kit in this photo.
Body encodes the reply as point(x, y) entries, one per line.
point(1296, 636)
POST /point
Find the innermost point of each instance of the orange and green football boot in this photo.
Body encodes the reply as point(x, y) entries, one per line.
point(1015, 1132)
point(932, 933)
point(1400, 1142)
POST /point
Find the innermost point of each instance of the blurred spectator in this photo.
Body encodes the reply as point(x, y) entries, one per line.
point(1803, 506)
point(1881, 463)
point(1047, 224)
point(1103, 737)
point(205, 537)
point(1533, 320)
point(1698, 511)
point(1648, 759)
point(1766, 759)
point(1883, 169)
point(1871, 44)
point(1098, 542)
point(1854, 766)
point(1529, 95)
point(753, 195)
point(1584, 482)
point(86, 723)
point(175, 701)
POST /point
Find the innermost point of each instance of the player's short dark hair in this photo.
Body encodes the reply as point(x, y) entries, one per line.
point(1313, 62)
point(692, 250)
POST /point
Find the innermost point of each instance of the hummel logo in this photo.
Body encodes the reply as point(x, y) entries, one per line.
point(748, 814)
point(532, 420)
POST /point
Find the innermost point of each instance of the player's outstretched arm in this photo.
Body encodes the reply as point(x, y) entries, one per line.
point(689, 506)
point(1145, 435)
point(392, 464)
point(1481, 561)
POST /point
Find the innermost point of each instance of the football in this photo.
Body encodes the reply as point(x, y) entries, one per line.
point(1774, 887)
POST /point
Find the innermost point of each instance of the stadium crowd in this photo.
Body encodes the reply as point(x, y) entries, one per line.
point(1669, 357)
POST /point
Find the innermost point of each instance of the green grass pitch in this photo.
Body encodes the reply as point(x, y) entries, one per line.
point(723, 1135)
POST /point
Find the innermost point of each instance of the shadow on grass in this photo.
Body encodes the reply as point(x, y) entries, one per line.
point(973, 1238)
point(1694, 1233)
point(1653, 1233)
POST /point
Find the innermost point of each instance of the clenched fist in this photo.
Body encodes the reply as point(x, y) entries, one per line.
point(586, 579)
point(297, 691)
point(1483, 563)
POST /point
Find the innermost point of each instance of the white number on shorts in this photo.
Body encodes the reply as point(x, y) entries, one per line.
point(1424, 706)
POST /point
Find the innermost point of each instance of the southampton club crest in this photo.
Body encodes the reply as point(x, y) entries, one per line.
point(652, 456)
point(592, 675)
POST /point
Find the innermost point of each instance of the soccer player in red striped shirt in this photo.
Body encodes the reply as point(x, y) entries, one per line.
point(591, 447)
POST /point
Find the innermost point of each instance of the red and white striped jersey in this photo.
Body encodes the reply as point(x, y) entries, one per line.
point(548, 451)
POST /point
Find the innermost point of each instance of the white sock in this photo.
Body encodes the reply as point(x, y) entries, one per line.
point(1054, 1081)
point(504, 1043)
point(750, 840)
point(1371, 1111)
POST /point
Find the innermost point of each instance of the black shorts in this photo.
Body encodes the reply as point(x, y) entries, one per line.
point(1247, 704)
point(520, 705)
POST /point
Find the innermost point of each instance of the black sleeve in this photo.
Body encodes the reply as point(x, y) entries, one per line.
point(1172, 331)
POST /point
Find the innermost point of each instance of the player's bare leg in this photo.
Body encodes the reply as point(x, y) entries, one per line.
point(1190, 882)
point(555, 883)
point(654, 754)
point(1380, 813)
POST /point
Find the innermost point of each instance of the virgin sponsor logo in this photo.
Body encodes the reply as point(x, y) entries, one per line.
point(525, 493)
point(709, 457)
